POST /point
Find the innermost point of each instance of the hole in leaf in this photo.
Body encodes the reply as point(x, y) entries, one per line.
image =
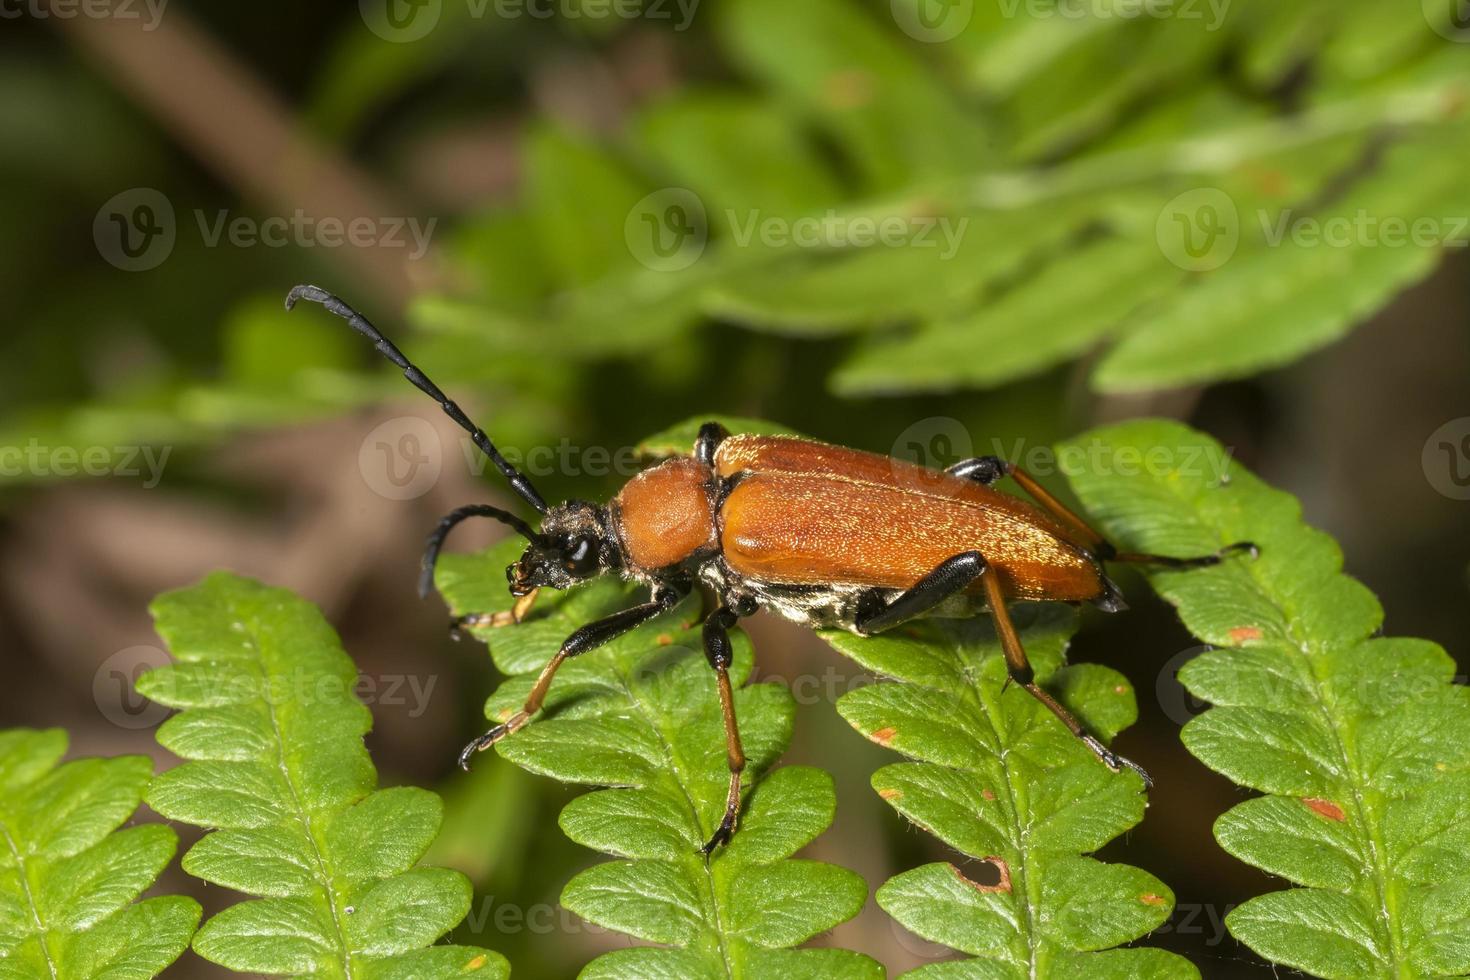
point(994, 875)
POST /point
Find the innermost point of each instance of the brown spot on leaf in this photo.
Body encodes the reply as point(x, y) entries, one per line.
point(849, 89)
point(1244, 634)
point(1149, 898)
point(1272, 183)
point(664, 639)
point(1120, 689)
point(890, 794)
point(884, 735)
point(987, 794)
point(1325, 808)
point(1003, 876)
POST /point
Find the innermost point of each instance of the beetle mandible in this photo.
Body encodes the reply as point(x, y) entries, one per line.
point(818, 534)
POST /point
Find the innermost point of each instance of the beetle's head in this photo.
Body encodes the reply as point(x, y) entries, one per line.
point(574, 545)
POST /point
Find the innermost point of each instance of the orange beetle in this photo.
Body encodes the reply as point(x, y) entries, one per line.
point(818, 534)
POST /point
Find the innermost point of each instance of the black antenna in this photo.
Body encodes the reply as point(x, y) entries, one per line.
point(358, 322)
point(436, 538)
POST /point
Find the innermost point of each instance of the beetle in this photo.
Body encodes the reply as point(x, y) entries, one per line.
point(818, 534)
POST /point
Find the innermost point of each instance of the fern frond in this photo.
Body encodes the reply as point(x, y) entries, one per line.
point(642, 717)
point(69, 877)
point(278, 772)
point(1359, 743)
point(996, 777)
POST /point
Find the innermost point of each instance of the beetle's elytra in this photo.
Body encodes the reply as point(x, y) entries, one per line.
point(818, 534)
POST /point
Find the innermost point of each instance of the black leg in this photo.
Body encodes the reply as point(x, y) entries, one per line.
point(1022, 674)
point(711, 434)
point(988, 469)
point(586, 638)
point(718, 651)
point(949, 577)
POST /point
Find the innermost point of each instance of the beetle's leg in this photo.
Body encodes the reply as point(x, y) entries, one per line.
point(586, 638)
point(1021, 672)
point(711, 434)
point(506, 617)
point(988, 469)
point(718, 651)
point(949, 577)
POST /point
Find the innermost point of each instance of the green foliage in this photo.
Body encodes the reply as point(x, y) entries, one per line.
point(1058, 182)
point(69, 877)
point(998, 778)
point(279, 773)
point(1360, 743)
point(642, 717)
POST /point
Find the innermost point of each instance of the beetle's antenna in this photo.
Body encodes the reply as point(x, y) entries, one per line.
point(518, 481)
point(436, 538)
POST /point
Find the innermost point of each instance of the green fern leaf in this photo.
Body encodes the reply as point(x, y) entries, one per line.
point(996, 777)
point(278, 771)
point(641, 716)
point(1360, 743)
point(69, 877)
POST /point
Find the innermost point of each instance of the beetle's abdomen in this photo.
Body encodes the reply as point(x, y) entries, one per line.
point(815, 529)
point(664, 515)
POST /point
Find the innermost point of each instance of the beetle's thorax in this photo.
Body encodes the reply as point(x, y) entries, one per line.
point(664, 518)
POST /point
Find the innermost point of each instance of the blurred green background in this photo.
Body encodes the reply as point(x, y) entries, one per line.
point(935, 228)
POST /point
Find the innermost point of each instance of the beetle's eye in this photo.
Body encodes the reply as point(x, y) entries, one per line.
point(581, 556)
